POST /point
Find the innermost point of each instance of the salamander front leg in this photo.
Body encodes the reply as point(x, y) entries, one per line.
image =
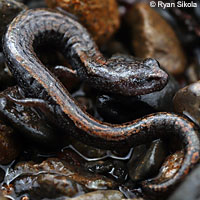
point(43, 105)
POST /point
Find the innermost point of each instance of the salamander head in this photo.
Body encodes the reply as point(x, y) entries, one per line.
point(136, 77)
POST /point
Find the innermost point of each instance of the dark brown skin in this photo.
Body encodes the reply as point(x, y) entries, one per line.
point(122, 75)
point(25, 119)
point(119, 74)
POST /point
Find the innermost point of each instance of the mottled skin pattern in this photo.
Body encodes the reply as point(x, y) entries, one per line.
point(122, 75)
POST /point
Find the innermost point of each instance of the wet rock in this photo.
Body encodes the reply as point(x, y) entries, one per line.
point(2, 174)
point(114, 47)
point(186, 38)
point(99, 167)
point(126, 1)
point(77, 153)
point(118, 109)
point(197, 56)
point(189, 189)
point(88, 152)
point(71, 157)
point(85, 103)
point(123, 154)
point(6, 78)
point(193, 72)
point(187, 101)
point(117, 169)
point(153, 37)
point(26, 120)
point(68, 79)
point(101, 195)
point(162, 100)
point(9, 144)
point(46, 185)
point(51, 179)
point(146, 161)
point(101, 18)
point(36, 4)
point(136, 199)
point(187, 20)
point(8, 10)
point(131, 191)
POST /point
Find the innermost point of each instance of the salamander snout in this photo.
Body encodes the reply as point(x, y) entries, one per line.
point(132, 76)
point(157, 74)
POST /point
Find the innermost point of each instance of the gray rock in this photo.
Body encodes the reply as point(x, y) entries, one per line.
point(189, 189)
point(101, 195)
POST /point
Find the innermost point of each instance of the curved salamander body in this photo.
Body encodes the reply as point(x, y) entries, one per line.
point(119, 74)
point(122, 75)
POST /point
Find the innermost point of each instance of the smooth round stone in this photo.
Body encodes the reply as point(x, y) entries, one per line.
point(114, 47)
point(193, 71)
point(146, 161)
point(101, 18)
point(187, 101)
point(162, 100)
point(189, 189)
point(187, 38)
point(9, 144)
point(153, 37)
